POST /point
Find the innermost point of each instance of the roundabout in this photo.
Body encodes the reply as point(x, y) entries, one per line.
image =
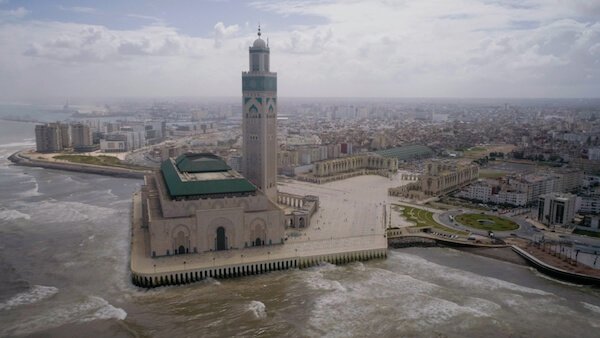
point(486, 222)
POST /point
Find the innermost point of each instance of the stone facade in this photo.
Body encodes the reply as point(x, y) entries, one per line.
point(342, 168)
point(259, 120)
point(305, 208)
point(237, 221)
point(441, 177)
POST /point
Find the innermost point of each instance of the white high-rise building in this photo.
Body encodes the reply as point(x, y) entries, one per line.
point(259, 122)
point(556, 208)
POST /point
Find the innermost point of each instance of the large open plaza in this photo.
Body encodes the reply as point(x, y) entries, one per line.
point(350, 224)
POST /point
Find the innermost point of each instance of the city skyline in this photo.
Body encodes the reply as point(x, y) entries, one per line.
point(324, 49)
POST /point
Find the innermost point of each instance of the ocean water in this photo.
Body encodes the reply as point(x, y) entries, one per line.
point(64, 241)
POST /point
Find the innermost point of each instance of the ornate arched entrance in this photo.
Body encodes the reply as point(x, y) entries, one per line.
point(221, 239)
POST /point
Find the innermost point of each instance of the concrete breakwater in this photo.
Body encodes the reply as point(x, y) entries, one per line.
point(19, 158)
point(190, 276)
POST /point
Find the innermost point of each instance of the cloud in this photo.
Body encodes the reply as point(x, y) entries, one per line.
point(154, 19)
point(465, 48)
point(78, 9)
point(90, 44)
point(19, 12)
point(223, 32)
point(430, 48)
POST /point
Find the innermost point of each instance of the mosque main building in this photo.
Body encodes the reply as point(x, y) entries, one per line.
point(197, 218)
point(196, 203)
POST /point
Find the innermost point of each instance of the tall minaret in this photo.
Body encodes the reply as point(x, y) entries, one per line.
point(259, 121)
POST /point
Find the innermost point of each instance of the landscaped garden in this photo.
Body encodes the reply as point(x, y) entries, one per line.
point(486, 222)
point(101, 160)
point(424, 218)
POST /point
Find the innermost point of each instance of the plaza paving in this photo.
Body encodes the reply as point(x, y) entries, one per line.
point(350, 219)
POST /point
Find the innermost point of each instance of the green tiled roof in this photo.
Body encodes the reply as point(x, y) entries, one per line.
point(200, 163)
point(179, 188)
point(407, 152)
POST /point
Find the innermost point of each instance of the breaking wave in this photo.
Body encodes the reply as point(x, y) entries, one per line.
point(591, 307)
point(457, 277)
point(11, 215)
point(258, 309)
point(93, 308)
point(36, 294)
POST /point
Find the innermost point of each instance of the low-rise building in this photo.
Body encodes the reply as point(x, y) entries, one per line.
point(441, 177)
point(588, 204)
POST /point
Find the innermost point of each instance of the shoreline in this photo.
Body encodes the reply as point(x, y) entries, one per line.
point(505, 254)
point(18, 158)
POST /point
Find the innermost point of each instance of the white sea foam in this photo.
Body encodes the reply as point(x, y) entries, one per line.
point(258, 309)
point(11, 215)
point(211, 281)
point(35, 191)
point(457, 277)
point(316, 281)
point(104, 311)
point(17, 144)
point(359, 266)
point(65, 211)
point(412, 302)
point(591, 307)
point(36, 294)
point(593, 320)
point(92, 308)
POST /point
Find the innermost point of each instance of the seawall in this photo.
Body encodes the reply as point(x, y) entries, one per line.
point(19, 159)
point(558, 273)
point(184, 276)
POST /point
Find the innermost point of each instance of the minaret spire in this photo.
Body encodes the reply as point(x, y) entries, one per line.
point(259, 33)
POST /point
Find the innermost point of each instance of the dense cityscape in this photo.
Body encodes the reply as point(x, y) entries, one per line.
point(389, 169)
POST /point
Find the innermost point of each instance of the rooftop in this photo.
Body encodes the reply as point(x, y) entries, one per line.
point(406, 152)
point(199, 163)
point(201, 175)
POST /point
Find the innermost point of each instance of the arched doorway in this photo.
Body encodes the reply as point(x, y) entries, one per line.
point(258, 242)
point(181, 241)
point(221, 239)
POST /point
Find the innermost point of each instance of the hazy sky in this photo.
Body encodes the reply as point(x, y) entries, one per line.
point(344, 48)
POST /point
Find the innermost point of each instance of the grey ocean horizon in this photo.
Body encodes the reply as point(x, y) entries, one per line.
point(64, 246)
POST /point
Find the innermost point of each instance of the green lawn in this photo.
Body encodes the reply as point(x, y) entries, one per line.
point(486, 222)
point(101, 160)
point(424, 218)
